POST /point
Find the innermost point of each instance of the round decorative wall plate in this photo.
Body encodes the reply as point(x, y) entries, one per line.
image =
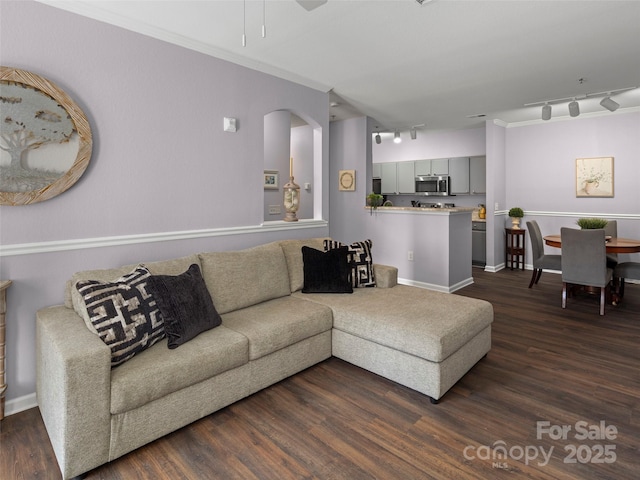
point(45, 138)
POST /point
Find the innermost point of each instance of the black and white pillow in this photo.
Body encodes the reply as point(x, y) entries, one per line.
point(360, 259)
point(124, 313)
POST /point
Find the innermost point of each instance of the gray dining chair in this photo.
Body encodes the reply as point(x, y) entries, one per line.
point(540, 260)
point(624, 270)
point(611, 228)
point(584, 262)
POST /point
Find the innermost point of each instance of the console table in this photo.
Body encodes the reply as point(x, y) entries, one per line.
point(4, 284)
point(514, 247)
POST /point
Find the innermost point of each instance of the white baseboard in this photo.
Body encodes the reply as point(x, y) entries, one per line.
point(20, 404)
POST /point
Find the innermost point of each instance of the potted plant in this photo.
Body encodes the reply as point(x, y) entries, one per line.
point(591, 223)
point(516, 213)
point(374, 200)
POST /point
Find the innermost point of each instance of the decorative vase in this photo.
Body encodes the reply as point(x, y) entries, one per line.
point(515, 223)
point(291, 200)
point(589, 187)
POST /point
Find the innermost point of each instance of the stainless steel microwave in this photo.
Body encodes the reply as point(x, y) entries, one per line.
point(433, 185)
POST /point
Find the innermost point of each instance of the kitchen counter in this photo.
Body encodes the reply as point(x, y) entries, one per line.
point(442, 211)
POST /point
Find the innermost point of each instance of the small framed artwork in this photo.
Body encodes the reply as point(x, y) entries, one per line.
point(347, 180)
point(594, 177)
point(271, 179)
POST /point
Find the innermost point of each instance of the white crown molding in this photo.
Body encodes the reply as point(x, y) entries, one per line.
point(101, 242)
point(91, 10)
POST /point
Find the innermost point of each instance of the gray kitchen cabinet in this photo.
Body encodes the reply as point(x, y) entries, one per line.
point(389, 176)
point(397, 177)
point(440, 166)
point(377, 170)
point(478, 175)
point(459, 175)
point(435, 166)
point(406, 177)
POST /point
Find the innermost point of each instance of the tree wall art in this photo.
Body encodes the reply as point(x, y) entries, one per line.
point(45, 138)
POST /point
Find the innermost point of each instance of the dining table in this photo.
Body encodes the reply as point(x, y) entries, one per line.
point(613, 245)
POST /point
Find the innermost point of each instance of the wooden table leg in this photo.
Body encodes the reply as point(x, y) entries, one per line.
point(3, 308)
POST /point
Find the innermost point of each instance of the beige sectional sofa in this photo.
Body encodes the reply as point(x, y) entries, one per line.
point(270, 330)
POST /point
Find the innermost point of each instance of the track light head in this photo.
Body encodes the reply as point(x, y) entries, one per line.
point(378, 138)
point(414, 134)
point(574, 108)
point(396, 137)
point(609, 104)
point(546, 112)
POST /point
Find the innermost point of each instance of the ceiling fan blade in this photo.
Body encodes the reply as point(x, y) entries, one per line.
point(311, 4)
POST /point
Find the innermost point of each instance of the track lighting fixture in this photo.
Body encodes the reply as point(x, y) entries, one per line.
point(546, 112)
point(574, 108)
point(378, 138)
point(413, 133)
point(609, 104)
point(396, 137)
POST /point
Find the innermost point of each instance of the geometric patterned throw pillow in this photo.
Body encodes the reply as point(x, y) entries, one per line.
point(124, 314)
point(360, 260)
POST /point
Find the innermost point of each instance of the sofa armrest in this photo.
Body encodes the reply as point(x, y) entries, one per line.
point(386, 276)
point(73, 387)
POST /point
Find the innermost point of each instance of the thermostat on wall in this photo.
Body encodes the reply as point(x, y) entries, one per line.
point(230, 124)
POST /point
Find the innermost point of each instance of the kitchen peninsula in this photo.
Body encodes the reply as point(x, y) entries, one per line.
point(430, 246)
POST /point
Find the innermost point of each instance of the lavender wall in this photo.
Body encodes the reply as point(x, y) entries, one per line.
point(162, 166)
point(540, 172)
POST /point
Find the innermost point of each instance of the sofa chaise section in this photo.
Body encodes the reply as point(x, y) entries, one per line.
point(419, 338)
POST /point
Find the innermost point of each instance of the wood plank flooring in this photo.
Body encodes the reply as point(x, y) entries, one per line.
point(336, 421)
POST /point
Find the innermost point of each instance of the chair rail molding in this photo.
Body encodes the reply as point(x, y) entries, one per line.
point(101, 242)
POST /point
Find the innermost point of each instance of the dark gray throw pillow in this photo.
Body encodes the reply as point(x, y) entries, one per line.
point(326, 272)
point(185, 305)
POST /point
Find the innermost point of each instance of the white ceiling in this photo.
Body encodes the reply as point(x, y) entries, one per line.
point(407, 64)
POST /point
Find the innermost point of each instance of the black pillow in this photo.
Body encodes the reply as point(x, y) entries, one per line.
point(326, 272)
point(185, 305)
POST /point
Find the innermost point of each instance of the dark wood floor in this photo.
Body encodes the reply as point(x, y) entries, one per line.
point(336, 421)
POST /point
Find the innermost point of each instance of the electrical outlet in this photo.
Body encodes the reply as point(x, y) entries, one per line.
point(410, 255)
point(274, 209)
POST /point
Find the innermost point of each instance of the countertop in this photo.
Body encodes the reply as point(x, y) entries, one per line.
point(444, 211)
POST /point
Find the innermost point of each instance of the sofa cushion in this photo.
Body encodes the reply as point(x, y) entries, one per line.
point(164, 267)
point(123, 313)
point(362, 273)
point(158, 371)
point(185, 305)
point(427, 324)
point(276, 324)
point(326, 272)
point(293, 254)
point(242, 278)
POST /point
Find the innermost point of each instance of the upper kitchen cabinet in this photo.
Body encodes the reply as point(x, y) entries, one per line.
point(459, 174)
point(377, 170)
point(436, 166)
point(389, 176)
point(478, 175)
point(397, 177)
point(406, 177)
